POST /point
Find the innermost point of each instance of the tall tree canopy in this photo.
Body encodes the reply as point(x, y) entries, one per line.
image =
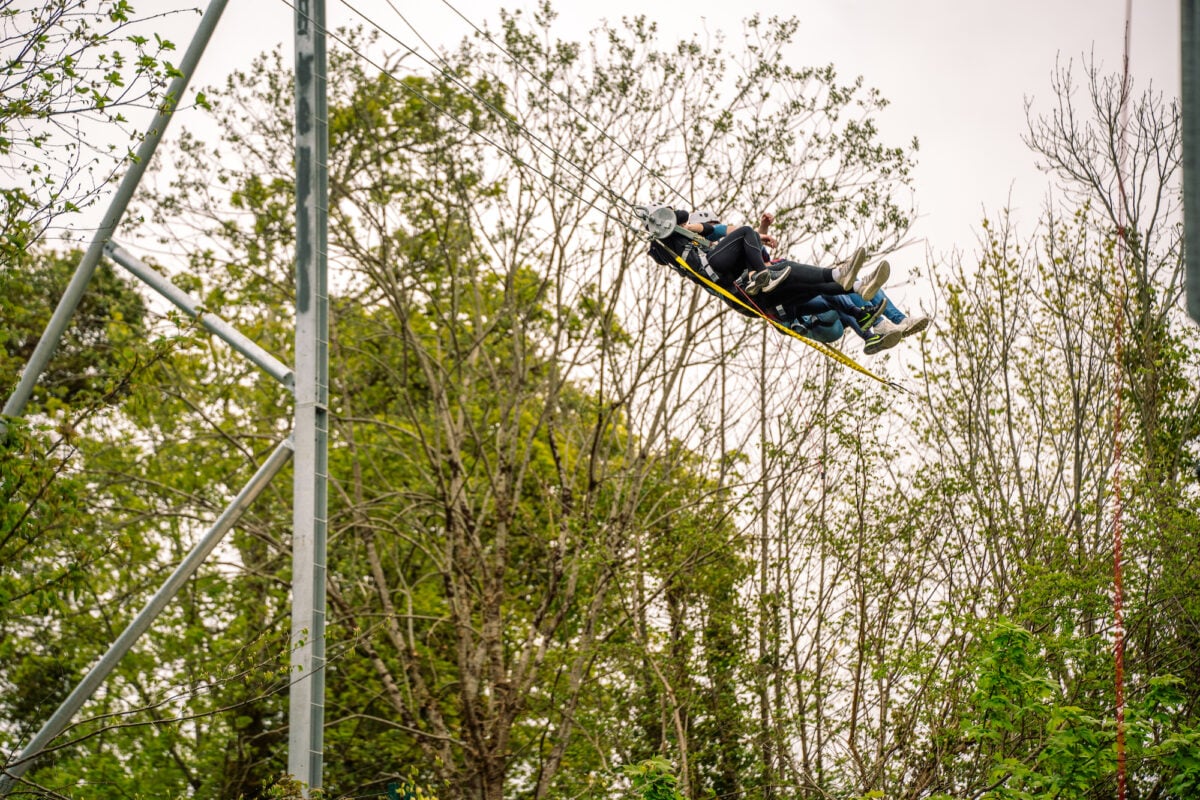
point(520, 492)
point(583, 518)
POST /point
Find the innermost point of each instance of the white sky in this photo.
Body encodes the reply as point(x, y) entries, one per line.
point(957, 72)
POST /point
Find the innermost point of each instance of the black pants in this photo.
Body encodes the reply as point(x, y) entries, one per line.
point(741, 250)
point(738, 251)
point(804, 283)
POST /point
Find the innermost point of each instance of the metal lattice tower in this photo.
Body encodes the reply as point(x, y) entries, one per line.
point(308, 444)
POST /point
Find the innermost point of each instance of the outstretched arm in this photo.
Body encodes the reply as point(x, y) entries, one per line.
point(764, 224)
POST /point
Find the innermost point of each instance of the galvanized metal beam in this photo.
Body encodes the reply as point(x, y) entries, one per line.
point(46, 346)
point(306, 712)
point(87, 687)
point(193, 308)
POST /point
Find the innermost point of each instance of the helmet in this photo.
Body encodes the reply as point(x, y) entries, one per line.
point(698, 217)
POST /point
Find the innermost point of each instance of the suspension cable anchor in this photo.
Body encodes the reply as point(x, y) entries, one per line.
point(659, 221)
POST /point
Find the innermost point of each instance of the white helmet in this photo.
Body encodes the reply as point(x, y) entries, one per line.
point(700, 217)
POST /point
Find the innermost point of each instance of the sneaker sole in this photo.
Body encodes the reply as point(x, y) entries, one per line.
point(778, 279)
point(917, 327)
point(886, 342)
point(757, 282)
point(878, 278)
point(853, 267)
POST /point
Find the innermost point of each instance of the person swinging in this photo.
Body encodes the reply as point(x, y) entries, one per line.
point(737, 262)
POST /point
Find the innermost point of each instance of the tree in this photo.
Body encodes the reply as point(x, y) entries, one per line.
point(1141, 198)
point(111, 316)
point(60, 551)
point(1020, 414)
point(538, 548)
point(73, 70)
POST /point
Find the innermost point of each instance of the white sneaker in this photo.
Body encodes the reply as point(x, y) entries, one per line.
point(851, 268)
point(914, 325)
point(906, 327)
point(871, 284)
point(885, 325)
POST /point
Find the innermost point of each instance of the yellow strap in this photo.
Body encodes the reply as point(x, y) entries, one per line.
point(836, 355)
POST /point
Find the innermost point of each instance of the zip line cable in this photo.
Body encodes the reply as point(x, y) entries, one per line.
point(745, 302)
point(1118, 589)
point(565, 100)
point(829, 352)
point(445, 69)
point(585, 176)
point(497, 145)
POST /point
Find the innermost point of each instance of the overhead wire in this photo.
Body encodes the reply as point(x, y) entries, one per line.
point(434, 104)
point(745, 302)
point(447, 69)
point(648, 170)
point(547, 149)
point(829, 352)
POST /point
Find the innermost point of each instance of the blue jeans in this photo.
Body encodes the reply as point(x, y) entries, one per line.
point(824, 326)
point(826, 318)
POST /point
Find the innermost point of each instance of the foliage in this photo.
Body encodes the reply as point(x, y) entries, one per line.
point(73, 72)
point(652, 780)
point(516, 526)
point(579, 517)
point(1021, 413)
point(96, 348)
point(1038, 743)
point(47, 543)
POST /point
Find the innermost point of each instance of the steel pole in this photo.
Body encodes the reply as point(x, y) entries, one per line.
point(1189, 30)
point(306, 705)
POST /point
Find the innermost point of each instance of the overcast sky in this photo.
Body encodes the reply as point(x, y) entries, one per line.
point(957, 72)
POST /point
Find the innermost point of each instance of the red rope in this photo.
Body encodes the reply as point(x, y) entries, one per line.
point(1118, 591)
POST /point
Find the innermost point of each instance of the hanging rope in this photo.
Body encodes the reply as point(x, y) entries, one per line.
point(1122, 248)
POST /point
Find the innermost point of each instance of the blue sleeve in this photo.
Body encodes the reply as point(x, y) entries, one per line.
point(719, 231)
